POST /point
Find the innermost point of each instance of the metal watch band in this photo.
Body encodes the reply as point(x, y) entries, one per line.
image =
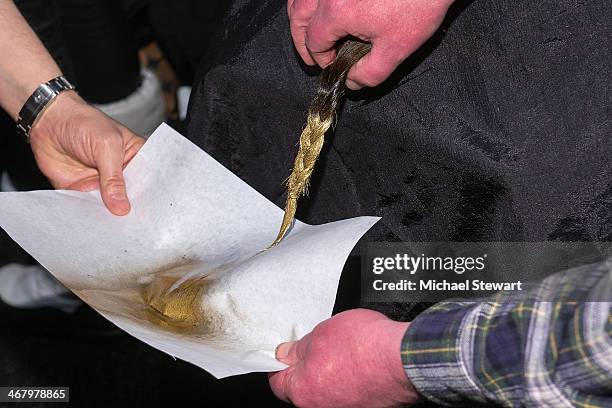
point(38, 102)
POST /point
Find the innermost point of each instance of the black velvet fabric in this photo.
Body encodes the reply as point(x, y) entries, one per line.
point(497, 129)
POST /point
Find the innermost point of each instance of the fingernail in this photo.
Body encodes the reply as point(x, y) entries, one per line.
point(282, 351)
point(119, 204)
point(353, 85)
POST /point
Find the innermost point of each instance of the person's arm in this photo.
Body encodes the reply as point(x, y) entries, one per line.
point(75, 145)
point(396, 29)
point(546, 349)
point(25, 62)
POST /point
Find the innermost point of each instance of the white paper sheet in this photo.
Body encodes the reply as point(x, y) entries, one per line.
point(190, 217)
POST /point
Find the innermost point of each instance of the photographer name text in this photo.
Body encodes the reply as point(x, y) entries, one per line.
point(444, 285)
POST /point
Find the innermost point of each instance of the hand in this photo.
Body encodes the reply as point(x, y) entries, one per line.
point(396, 28)
point(351, 360)
point(80, 148)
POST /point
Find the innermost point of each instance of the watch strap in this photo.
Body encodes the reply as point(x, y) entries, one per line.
point(40, 99)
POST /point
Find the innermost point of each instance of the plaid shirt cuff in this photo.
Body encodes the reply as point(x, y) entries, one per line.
point(436, 354)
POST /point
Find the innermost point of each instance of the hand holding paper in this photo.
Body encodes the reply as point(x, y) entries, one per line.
point(362, 347)
point(80, 148)
point(186, 271)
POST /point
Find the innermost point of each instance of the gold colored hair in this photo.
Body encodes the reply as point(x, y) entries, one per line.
point(321, 115)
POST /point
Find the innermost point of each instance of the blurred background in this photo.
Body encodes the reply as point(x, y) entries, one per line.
point(135, 60)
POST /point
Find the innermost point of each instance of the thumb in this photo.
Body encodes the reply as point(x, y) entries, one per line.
point(374, 68)
point(286, 352)
point(293, 351)
point(112, 184)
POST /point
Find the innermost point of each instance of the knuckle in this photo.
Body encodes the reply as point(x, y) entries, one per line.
point(320, 336)
point(115, 181)
point(109, 141)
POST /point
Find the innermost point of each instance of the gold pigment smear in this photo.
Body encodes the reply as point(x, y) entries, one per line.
point(321, 116)
point(180, 307)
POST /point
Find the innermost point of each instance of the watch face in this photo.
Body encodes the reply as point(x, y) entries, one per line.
point(43, 93)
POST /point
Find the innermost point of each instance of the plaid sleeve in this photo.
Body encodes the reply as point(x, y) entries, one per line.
point(527, 352)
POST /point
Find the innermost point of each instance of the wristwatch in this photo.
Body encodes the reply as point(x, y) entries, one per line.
point(38, 102)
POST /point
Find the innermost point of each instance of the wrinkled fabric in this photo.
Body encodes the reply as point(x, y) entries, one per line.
point(497, 129)
point(541, 350)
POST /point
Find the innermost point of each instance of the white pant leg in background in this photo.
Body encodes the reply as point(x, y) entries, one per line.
point(32, 286)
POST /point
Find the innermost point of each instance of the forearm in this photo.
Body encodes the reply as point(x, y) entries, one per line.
point(509, 352)
point(25, 62)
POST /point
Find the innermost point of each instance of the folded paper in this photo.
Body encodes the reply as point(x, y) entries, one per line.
point(188, 270)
